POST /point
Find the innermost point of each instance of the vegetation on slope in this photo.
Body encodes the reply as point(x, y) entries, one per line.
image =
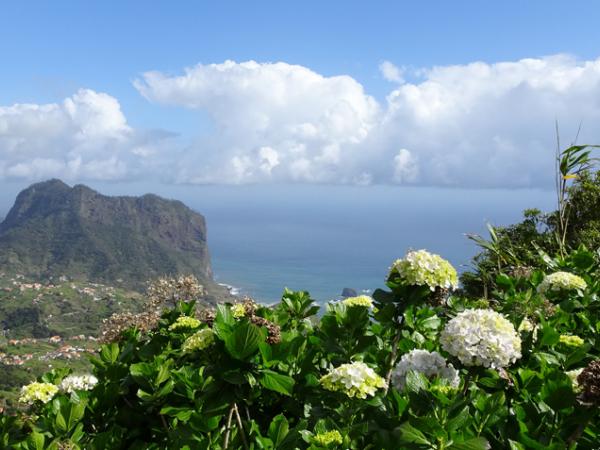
point(54, 230)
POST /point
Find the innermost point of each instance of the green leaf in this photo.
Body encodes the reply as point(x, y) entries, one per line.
point(477, 443)
point(60, 423)
point(243, 341)
point(110, 353)
point(459, 420)
point(415, 381)
point(515, 445)
point(410, 435)
point(182, 413)
point(36, 441)
point(277, 382)
point(549, 336)
point(278, 429)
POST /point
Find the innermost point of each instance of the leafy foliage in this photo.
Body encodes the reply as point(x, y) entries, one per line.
point(244, 391)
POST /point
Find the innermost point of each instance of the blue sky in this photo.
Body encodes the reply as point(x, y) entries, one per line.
point(429, 126)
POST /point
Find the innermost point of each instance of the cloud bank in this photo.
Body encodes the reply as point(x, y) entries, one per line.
point(85, 137)
point(473, 125)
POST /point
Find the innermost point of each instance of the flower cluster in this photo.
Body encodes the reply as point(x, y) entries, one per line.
point(589, 382)
point(167, 291)
point(248, 309)
point(43, 392)
point(571, 340)
point(74, 383)
point(238, 310)
point(481, 337)
point(355, 380)
point(430, 364)
point(199, 340)
point(361, 300)
point(559, 281)
point(443, 389)
point(526, 326)
point(422, 268)
point(114, 326)
point(573, 374)
point(328, 438)
point(184, 323)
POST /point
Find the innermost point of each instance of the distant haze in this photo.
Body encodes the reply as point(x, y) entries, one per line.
point(322, 239)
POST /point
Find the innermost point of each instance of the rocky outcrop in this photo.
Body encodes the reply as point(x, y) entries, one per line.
point(54, 229)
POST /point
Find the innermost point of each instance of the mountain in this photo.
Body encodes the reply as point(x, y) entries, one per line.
point(54, 230)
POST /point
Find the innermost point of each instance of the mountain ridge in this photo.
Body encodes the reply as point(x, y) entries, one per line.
point(54, 229)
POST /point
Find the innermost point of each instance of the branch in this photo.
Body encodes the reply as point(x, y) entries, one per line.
point(241, 427)
point(228, 427)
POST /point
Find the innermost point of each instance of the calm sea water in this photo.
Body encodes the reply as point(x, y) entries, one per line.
point(325, 238)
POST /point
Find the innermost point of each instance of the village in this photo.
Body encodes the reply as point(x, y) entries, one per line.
point(67, 349)
point(37, 330)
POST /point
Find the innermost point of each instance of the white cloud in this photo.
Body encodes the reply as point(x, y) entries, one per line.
point(305, 120)
point(478, 125)
point(391, 72)
point(85, 137)
point(406, 167)
point(472, 125)
point(493, 124)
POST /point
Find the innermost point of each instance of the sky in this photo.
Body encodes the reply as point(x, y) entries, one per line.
point(425, 93)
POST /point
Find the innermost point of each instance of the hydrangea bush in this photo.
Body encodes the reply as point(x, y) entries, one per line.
point(391, 371)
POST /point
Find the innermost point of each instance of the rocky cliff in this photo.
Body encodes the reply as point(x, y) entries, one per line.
point(54, 229)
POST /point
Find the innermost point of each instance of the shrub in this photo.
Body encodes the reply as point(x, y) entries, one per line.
point(410, 372)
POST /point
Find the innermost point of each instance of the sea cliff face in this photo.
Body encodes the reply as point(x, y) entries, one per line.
point(54, 229)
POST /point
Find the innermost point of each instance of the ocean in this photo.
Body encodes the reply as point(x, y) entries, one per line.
point(325, 238)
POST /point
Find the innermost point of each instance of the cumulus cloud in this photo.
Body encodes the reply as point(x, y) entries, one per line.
point(85, 137)
point(391, 72)
point(466, 125)
point(492, 124)
point(475, 125)
point(273, 121)
point(406, 167)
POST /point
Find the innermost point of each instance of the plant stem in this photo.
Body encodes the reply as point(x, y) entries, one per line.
point(240, 426)
point(576, 434)
point(388, 376)
point(164, 422)
point(228, 427)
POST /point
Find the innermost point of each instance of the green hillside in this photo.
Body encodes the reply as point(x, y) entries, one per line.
point(52, 325)
point(54, 230)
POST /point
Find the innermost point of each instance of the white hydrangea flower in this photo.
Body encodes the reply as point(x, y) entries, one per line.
point(526, 325)
point(184, 323)
point(42, 392)
point(238, 311)
point(571, 340)
point(422, 268)
point(199, 341)
point(481, 337)
point(74, 383)
point(361, 300)
point(559, 281)
point(573, 374)
point(355, 380)
point(430, 364)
